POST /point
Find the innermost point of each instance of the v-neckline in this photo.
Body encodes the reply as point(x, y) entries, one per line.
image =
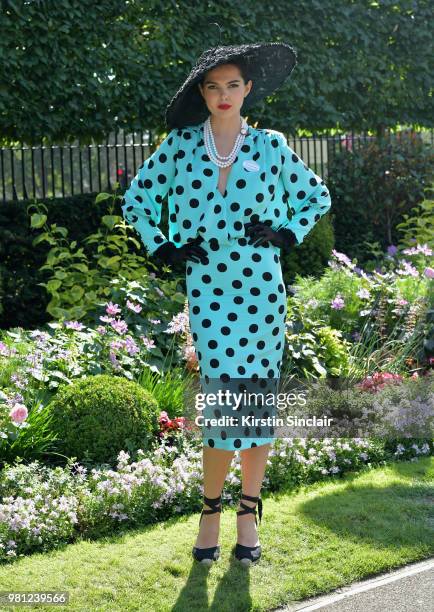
point(223, 195)
point(231, 172)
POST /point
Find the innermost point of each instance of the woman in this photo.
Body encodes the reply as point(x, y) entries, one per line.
point(229, 189)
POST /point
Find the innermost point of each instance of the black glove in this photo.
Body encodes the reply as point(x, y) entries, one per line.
point(170, 254)
point(261, 233)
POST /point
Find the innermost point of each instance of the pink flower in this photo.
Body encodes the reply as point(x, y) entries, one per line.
point(134, 307)
point(408, 269)
point(4, 350)
point(19, 413)
point(105, 319)
point(429, 272)
point(378, 381)
point(163, 418)
point(148, 342)
point(120, 326)
point(419, 248)
point(178, 324)
point(112, 309)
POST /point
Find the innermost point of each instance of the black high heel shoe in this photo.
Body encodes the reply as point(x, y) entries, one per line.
point(249, 554)
point(208, 555)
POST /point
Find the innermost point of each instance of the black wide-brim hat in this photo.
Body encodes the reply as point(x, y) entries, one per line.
point(268, 64)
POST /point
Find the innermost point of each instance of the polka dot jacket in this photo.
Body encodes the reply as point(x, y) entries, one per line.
point(267, 180)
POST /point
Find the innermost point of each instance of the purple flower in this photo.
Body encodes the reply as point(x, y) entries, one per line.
point(131, 346)
point(392, 250)
point(74, 325)
point(117, 344)
point(343, 258)
point(363, 293)
point(113, 359)
point(429, 272)
point(338, 303)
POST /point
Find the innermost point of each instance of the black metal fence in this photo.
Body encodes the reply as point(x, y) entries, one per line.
point(46, 171)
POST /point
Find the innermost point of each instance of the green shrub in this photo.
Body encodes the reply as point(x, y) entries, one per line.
point(98, 416)
point(418, 226)
point(312, 255)
point(312, 348)
point(373, 188)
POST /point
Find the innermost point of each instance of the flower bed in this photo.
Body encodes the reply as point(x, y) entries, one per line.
point(43, 507)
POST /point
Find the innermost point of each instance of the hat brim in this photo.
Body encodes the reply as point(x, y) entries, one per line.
point(269, 65)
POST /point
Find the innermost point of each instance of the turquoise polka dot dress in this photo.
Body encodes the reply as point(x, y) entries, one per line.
point(236, 297)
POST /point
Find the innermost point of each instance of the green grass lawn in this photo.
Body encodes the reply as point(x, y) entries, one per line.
point(314, 540)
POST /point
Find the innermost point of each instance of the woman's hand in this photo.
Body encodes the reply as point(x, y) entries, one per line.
point(260, 233)
point(170, 254)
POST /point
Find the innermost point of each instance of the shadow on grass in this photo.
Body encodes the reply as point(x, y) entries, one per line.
point(356, 513)
point(236, 581)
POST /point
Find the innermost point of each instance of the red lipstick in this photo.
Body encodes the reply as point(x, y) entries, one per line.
point(224, 106)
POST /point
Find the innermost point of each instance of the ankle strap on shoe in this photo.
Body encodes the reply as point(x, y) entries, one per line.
point(213, 503)
point(248, 509)
point(249, 497)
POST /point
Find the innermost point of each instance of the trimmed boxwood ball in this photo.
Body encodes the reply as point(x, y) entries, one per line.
point(103, 415)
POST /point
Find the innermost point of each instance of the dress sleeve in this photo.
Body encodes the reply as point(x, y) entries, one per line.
point(307, 195)
point(142, 202)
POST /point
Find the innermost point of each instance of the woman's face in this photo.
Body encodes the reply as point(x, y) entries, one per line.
point(224, 85)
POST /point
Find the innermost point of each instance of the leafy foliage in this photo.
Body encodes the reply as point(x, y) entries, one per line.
point(98, 416)
point(78, 70)
point(374, 187)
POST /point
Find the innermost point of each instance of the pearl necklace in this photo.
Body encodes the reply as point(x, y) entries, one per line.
point(223, 161)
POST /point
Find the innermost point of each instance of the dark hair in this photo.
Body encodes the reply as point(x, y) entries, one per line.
point(242, 65)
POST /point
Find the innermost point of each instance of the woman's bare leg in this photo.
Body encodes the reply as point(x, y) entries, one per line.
point(216, 463)
point(253, 463)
